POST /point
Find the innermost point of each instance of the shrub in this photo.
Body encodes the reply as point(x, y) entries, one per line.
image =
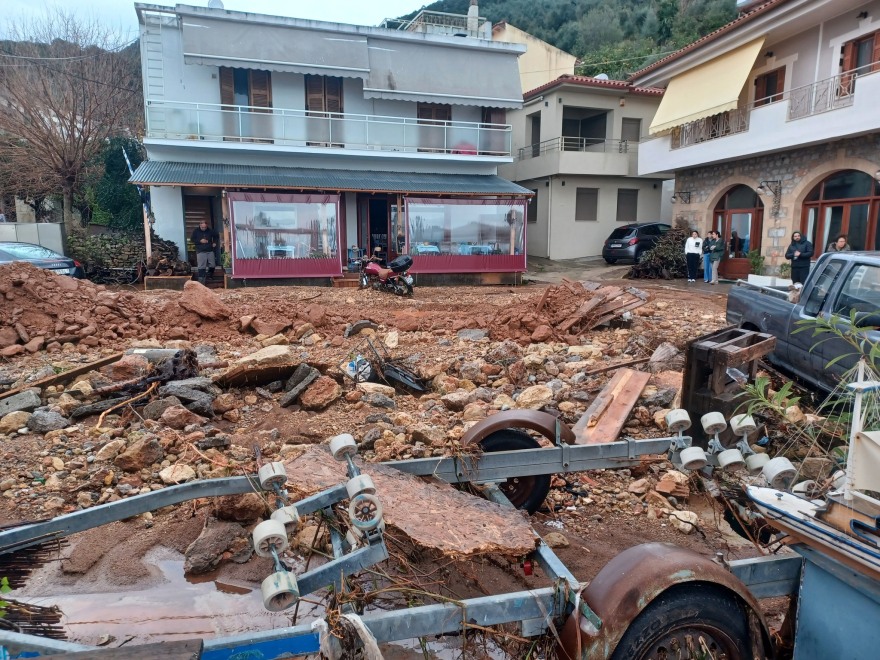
point(665, 260)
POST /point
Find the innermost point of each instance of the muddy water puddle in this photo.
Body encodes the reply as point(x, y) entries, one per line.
point(168, 607)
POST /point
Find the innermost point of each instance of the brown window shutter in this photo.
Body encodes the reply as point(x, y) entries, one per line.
point(494, 116)
point(760, 88)
point(315, 93)
point(780, 83)
point(850, 50)
point(875, 57)
point(261, 89)
point(227, 86)
point(333, 92)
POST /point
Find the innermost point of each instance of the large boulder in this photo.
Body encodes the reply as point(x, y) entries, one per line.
point(177, 417)
point(320, 394)
point(142, 453)
point(241, 508)
point(200, 299)
point(216, 540)
point(13, 421)
point(43, 421)
point(28, 400)
point(177, 474)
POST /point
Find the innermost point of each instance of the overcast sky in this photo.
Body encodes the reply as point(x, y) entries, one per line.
point(120, 13)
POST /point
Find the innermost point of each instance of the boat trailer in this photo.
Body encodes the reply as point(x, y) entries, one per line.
point(588, 621)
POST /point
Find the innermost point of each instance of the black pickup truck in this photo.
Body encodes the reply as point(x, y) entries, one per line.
point(838, 284)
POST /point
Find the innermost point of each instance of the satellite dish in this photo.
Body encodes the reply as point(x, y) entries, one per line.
point(215, 4)
point(602, 76)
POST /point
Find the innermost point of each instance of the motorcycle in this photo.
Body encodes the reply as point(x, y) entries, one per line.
point(394, 279)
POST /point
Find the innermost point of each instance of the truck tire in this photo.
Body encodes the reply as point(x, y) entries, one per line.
point(691, 611)
point(523, 492)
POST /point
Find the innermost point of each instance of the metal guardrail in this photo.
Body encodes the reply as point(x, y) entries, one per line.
point(711, 128)
point(178, 120)
point(563, 143)
point(822, 96)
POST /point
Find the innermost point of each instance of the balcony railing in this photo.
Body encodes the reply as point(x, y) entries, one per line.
point(177, 120)
point(822, 96)
point(596, 145)
point(710, 128)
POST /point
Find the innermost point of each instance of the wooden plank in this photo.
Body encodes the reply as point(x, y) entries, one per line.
point(188, 649)
point(432, 513)
point(585, 308)
point(64, 376)
point(543, 300)
point(612, 367)
point(606, 416)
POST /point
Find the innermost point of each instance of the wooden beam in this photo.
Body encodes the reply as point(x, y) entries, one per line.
point(604, 419)
point(64, 376)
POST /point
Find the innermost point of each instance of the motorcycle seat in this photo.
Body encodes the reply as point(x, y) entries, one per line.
point(385, 273)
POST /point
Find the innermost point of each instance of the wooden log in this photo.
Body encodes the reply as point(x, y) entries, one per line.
point(432, 513)
point(65, 376)
point(609, 411)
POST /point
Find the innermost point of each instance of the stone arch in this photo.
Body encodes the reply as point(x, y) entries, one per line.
point(823, 171)
point(725, 185)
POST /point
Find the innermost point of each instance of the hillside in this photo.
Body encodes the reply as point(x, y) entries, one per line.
point(615, 37)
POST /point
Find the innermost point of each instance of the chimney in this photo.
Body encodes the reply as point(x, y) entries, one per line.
point(473, 19)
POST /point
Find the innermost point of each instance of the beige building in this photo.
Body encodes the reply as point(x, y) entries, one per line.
point(541, 63)
point(575, 143)
point(770, 124)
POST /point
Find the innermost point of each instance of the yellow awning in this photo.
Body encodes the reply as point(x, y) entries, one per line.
point(706, 90)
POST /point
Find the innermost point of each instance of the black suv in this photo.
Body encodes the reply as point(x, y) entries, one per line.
point(629, 241)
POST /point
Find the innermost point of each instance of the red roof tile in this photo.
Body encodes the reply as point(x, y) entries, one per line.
point(588, 81)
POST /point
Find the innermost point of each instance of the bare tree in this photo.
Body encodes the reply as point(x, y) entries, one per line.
point(67, 85)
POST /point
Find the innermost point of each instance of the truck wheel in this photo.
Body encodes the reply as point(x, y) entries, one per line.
point(523, 492)
point(688, 621)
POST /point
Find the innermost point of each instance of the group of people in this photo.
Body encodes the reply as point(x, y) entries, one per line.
point(799, 252)
point(711, 249)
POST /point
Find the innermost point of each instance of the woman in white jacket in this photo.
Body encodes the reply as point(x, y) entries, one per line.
point(693, 249)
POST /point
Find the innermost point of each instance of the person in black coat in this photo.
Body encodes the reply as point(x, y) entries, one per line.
point(799, 252)
point(205, 239)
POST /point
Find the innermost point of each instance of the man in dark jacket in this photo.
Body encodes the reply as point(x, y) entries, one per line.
point(799, 252)
point(205, 240)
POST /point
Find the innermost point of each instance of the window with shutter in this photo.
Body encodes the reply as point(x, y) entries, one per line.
point(586, 205)
point(323, 96)
point(631, 129)
point(769, 86)
point(227, 86)
point(260, 91)
point(248, 89)
point(627, 204)
point(433, 117)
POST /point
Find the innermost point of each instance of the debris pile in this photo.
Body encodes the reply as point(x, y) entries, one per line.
point(566, 312)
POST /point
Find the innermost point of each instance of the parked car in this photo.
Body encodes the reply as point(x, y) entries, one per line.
point(630, 241)
point(839, 283)
point(41, 257)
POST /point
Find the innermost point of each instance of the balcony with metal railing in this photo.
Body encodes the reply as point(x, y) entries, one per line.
point(833, 108)
point(577, 155)
point(284, 129)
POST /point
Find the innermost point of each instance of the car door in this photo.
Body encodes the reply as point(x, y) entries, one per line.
point(801, 342)
point(648, 236)
point(859, 292)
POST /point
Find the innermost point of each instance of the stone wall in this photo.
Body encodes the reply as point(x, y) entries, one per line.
point(116, 249)
point(799, 170)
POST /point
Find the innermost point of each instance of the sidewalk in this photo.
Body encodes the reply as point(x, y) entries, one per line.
point(549, 271)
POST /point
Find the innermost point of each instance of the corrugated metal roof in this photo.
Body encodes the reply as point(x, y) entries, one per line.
point(161, 173)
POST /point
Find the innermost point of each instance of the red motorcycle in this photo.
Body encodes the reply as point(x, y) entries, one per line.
point(394, 279)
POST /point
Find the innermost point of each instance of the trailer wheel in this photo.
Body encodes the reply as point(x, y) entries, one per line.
point(523, 492)
point(694, 620)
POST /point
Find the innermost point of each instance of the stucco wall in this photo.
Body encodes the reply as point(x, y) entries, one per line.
point(167, 205)
point(541, 63)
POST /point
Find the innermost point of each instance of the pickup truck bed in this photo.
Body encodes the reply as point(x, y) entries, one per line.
point(839, 284)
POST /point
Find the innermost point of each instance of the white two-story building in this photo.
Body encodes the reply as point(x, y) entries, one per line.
point(771, 125)
point(298, 140)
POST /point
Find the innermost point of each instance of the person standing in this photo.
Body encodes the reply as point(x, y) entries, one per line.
point(839, 245)
point(707, 263)
point(799, 252)
point(205, 240)
point(693, 248)
point(715, 254)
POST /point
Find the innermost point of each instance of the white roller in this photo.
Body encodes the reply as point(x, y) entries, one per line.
point(713, 423)
point(731, 459)
point(743, 425)
point(756, 462)
point(343, 445)
point(678, 420)
point(267, 535)
point(280, 591)
point(838, 479)
point(693, 458)
point(806, 489)
point(365, 511)
point(286, 515)
point(360, 484)
point(272, 474)
point(779, 472)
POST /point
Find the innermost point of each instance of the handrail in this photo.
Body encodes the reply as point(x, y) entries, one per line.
point(567, 143)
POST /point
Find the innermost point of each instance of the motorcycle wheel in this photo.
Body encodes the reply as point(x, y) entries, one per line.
point(363, 282)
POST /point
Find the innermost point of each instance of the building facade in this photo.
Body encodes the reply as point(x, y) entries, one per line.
point(576, 143)
point(302, 141)
point(771, 126)
point(541, 63)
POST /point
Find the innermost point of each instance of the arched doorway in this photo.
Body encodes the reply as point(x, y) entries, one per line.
point(739, 219)
point(847, 202)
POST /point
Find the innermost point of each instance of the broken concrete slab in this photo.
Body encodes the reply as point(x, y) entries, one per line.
point(301, 379)
point(260, 368)
point(27, 401)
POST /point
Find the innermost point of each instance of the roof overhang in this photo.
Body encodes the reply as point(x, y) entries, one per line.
point(165, 173)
